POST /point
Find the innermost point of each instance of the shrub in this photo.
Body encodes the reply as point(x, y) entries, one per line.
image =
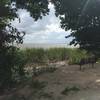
point(11, 62)
point(20, 61)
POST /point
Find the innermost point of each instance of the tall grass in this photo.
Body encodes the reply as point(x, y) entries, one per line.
point(57, 54)
point(35, 55)
point(75, 55)
point(43, 56)
point(40, 55)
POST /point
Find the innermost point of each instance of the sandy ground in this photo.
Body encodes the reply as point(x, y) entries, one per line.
point(87, 80)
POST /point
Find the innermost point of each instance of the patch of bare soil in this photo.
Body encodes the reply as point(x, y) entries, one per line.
point(67, 78)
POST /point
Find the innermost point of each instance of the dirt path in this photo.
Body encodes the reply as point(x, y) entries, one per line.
point(85, 95)
point(88, 81)
point(77, 85)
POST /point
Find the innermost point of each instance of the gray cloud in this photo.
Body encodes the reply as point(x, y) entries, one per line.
point(46, 30)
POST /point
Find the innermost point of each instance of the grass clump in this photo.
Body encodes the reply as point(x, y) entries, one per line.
point(70, 89)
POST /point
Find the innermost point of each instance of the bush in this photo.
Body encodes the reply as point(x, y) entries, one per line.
point(7, 64)
point(20, 61)
point(12, 63)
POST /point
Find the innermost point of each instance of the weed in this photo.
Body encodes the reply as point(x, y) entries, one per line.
point(70, 89)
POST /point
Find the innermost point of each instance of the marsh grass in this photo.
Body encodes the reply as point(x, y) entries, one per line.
point(42, 56)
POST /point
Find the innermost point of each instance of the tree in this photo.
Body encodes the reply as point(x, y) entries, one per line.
point(37, 9)
point(10, 35)
point(83, 18)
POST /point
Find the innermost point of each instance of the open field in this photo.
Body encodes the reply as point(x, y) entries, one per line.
point(67, 82)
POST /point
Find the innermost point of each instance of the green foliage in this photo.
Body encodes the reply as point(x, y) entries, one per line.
point(36, 8)
point(82, 17)
point(75, 55)
point(14, 61)
point(43, 56)
point(11, 67)
point(5, 68)
point(19, 64)
point(11, 60)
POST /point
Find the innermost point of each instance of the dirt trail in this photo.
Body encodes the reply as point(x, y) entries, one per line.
point(85, 95)
point(88, 82)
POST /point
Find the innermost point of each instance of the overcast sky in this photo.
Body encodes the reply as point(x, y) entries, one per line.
point(46, 30)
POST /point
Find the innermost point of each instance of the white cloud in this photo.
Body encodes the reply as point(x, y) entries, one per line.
point(46, 30)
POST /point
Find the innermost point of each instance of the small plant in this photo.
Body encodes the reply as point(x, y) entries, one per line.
point(70, 89)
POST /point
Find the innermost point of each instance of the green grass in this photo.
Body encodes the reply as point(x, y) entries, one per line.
point(44, 56)
point(57, 54)
point(39, 55)
point(75, 55)
point(35, 55)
